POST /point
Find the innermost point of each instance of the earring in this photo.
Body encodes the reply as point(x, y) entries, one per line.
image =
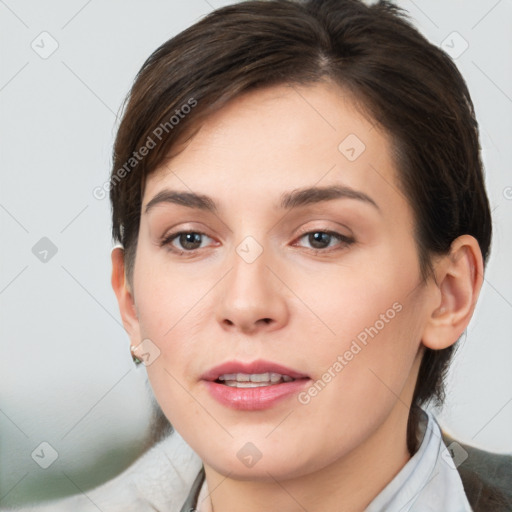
point(135, 359)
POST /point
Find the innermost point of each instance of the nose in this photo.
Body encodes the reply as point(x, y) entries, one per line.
point(252, 299)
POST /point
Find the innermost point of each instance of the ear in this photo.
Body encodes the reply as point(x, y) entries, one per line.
point(124, 295)
point(459, 278)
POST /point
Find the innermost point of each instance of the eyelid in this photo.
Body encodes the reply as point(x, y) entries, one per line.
point(303, 230)
point(185, 227)
point(342, 238)
point(168, 238)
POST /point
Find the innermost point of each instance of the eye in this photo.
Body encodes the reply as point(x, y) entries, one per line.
point(185, 241)
point(319, 240)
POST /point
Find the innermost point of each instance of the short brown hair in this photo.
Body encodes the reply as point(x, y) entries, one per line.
point(410, 87)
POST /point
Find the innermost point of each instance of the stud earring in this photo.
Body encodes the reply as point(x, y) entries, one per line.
point(136, 360)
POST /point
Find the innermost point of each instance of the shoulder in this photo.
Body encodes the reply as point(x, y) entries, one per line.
point(158, 480)
point(486, 476)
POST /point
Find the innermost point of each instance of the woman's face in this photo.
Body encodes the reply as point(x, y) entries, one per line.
point(284, 328)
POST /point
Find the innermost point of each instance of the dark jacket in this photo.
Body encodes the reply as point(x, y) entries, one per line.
point(486, 477)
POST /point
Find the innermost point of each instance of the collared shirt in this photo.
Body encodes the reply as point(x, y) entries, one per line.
point(429, 481)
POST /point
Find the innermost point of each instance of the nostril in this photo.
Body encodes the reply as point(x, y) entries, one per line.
point(249, 326)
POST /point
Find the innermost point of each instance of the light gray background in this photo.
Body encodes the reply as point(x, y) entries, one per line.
point(66, 375)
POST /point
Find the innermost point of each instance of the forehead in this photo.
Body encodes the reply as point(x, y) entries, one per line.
point(272, 140)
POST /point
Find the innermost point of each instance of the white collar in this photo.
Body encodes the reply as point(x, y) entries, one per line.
point(429, 481)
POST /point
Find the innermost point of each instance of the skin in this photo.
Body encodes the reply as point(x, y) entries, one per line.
point(297, 304)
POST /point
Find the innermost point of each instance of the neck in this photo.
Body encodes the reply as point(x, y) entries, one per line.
point(348, 484)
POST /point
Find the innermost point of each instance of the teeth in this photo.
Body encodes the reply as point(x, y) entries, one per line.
point(228, 376)
point(258, 377)
point(253, 380)
point(236, 384)
point(275, 377)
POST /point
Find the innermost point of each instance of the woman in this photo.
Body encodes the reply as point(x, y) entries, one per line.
point(298, 196)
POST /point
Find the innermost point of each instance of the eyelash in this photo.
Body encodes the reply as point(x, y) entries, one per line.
point(345, 241)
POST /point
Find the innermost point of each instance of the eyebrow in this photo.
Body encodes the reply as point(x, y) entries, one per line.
point(289, 200)
point(305, 196)
point(189, 199)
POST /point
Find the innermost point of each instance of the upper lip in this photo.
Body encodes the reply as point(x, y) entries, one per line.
point(259, 366)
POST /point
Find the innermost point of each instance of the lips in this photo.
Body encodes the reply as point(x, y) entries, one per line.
point(252, 386)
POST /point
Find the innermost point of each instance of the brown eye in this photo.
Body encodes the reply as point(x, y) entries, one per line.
point(186, 241)
point(319, 240)
point(190, 241)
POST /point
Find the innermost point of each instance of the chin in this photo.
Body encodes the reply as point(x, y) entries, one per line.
point(243, 460)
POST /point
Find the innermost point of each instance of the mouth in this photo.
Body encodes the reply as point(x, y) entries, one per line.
point(253, 386)
point(253, 380)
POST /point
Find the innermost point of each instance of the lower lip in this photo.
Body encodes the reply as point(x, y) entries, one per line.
point(254, 399)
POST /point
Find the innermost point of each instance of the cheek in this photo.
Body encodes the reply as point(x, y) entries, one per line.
point(167, 297)
point(368, 320)
point(172, 310)
point(360, 300)
point(362, 374)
